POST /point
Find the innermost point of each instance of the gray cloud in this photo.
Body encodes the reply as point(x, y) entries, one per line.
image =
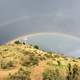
point(19, 17)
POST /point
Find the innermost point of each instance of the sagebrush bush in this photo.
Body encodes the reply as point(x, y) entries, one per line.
point(20, 75)
point(5, 64)
point(52, 74)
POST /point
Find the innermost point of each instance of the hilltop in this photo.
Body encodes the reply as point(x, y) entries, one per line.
point(20, 61)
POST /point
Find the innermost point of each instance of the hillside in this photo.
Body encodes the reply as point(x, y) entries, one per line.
point(20, 61)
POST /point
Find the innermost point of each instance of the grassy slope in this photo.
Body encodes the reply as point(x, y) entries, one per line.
point(14, 57)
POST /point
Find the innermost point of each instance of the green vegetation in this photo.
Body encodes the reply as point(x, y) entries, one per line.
point(36, 46)
point(17, 42)
point(69, 74)
point(48, 55)
point(78, 57)
point(52, 74)
point(20, 75)
point(73, 72)
point(30, 60)
point(6, 64)
point(59, 63)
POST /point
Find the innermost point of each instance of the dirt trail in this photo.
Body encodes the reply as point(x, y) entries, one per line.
point(37, 71)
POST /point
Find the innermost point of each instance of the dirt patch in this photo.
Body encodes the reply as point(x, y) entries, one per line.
point(36, 72)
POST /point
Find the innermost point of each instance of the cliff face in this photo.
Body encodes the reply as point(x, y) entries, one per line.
point(20, 61)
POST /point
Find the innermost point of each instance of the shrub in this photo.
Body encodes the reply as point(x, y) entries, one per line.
point(74, 60)
point(51, 74)
point(73, 72)
point(7, 64)
point(26, 61)
point(26, 52)
point(34, 60)
point(69, 75)
point(17, 42)
point(78, 57)
point(56, 56)
point(20, 75)
point(48, 55)
point(59, 63)
point(30, 60)
point(36, 46)
point(24, 43)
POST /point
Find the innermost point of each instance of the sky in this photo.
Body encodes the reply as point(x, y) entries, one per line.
point(22, 17)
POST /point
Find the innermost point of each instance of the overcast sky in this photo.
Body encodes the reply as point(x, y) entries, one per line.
point(19, 17)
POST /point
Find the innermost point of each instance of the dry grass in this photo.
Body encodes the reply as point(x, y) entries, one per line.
point(17, 53)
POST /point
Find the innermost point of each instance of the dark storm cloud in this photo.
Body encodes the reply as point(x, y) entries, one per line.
point(19, 17)
point(10, 9)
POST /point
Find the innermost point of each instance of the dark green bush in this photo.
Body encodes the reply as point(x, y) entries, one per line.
point(17, 42)
point(59, 63)
point(78, 57)
point(34, 60)
point(24, 43)
point(36, 46)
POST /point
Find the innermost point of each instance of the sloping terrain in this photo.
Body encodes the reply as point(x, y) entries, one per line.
point(20, 61)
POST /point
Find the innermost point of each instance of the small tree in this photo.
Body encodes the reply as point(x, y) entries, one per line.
point(17, 42)
point(24, 43)
point(36, 46)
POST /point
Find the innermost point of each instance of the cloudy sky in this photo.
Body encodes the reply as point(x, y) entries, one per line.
point(19, 17)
